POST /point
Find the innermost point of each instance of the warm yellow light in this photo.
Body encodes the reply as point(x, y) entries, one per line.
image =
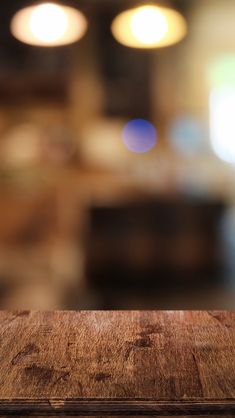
point(149, 26)
point(48, 24)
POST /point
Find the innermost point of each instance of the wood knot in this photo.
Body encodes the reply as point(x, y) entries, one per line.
point(144, 342)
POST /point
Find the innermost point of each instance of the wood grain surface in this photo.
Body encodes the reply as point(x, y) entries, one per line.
point(117, 363)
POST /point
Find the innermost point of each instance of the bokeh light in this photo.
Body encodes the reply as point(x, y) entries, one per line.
point(48, 24)
point(187, 135)
point(139, 135)
point(221, 77)
point(149, 26)
point(222, 70)
point(222, 122)
point(21, 146)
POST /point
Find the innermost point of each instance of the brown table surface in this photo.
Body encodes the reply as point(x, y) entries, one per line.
point(117, 363)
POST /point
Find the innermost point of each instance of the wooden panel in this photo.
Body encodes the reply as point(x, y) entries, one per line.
point(117, 363)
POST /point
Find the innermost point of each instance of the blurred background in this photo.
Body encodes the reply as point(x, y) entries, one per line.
point(117, 164)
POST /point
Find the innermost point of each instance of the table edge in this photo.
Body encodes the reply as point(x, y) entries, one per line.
point(115, 407)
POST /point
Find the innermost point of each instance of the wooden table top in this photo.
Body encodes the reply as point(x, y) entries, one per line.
point(117, 363)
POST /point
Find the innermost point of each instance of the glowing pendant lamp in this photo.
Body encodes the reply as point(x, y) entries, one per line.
point(48, 25)
point(149, 26)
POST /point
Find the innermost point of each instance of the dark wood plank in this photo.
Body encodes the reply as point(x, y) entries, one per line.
point(117, 363)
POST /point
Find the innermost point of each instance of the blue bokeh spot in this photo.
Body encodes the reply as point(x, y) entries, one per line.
point(139, 135)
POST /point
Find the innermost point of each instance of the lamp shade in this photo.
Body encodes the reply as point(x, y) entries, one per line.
point(149, 26)
point(48, 24)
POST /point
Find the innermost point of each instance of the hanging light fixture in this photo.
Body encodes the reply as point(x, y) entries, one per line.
point(48, 24)
point(149, 26)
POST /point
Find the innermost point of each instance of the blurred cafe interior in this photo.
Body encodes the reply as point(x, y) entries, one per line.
point(117, 154)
